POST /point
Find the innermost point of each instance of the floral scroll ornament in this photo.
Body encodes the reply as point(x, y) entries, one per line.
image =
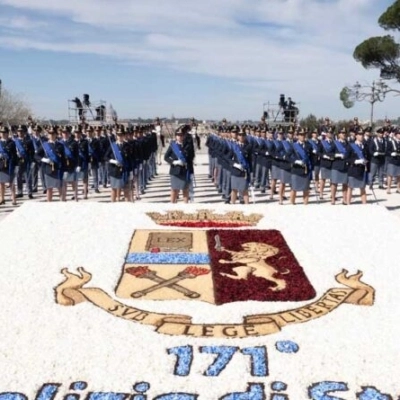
point(73, 291)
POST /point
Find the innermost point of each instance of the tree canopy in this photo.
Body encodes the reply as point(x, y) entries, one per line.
point(382, 52)
point(13, 108)
point(345, 95)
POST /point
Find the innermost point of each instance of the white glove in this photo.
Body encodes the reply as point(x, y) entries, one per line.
point(326, 157)
point(314, 151)
point(299, 162)
point(238, 166)
point(376, 154)
point(46, 160)
point(115, 162)
point(78, 169)
point(179, 162)
point(394, 154)
point(358, 162)
point(267, 153)
point(339, 155)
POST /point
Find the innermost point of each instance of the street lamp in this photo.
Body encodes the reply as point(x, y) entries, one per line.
point(371, 93)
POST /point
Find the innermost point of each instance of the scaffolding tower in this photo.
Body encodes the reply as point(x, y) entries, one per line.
point(275, 114)
point(91, 112)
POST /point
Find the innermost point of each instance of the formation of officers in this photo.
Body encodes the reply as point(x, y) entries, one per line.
point(241, 159)
point(124, 158)
point(244, 158)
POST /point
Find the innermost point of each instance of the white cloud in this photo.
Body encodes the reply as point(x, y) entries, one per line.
point(304, 46)
point(21, 23)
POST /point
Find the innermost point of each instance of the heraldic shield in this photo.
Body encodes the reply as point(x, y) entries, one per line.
point(217, 266)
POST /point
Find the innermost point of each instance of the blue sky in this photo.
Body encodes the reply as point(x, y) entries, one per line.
point(209, 59)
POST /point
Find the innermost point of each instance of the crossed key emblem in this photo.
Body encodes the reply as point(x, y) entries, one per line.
point(144, 272)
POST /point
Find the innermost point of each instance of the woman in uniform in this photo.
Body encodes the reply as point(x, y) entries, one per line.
point(70, 164)
point(240, 167)
point(357, 172)
point(8, 161)
point(393, 161)
point(340, 166)
point(51, 155)
point(180, 158)
point(82, 170)
point(276, 171)
point(301, 170)
point(118, 167)
point(327, 151)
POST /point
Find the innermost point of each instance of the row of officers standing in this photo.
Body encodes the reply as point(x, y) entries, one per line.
point(242, 159)
point(124, 158)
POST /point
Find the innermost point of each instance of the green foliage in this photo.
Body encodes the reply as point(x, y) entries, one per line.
point(345, 97)
point(311, 122)
point(390, 19)
point(382, 52)
point(377, 52)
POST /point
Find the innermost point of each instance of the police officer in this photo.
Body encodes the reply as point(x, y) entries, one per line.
point(327, 151)
point(51, 155)
point(315, 157)
point(358, 169)
point(82, 169)
point(94, 148)
point(240, 167)
point(301, 168)
point(118, 167)
point(340, 164)
point(8, 162)
point(286, 165)
point(393, 161)
point(24, 169)
point(377, 153)
point(180, 156)
point(70, 163)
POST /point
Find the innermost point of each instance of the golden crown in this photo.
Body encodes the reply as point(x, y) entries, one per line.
point(205, 219)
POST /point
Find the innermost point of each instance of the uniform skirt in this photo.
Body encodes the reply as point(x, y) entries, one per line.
point(69, 177)
point(316, 171)
point(52, 183)
point(286, 176)
point(338, 177)
point(326, 173)
point(5, 177)
point(117, 183)
point(178, 183)
point(275, 172)
point(393, 170)
point(239, 183)
point(82, 175)
point(300, 183)
point(356, 183)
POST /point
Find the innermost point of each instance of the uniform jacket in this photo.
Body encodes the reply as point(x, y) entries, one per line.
point(179, 170)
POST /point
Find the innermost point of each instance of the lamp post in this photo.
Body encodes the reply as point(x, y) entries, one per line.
point(371, 93)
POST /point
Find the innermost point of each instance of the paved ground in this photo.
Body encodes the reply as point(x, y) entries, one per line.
point(158, 192)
